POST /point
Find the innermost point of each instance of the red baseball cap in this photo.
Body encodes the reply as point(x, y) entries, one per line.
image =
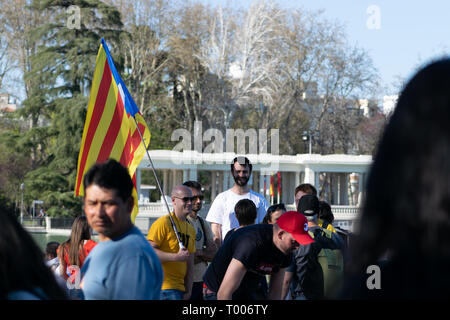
point(296, 224)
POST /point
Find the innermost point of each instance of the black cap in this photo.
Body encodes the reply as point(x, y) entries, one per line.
point(308, 205)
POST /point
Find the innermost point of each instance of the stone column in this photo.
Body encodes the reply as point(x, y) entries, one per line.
point(335, 189)
point(138, 183)
point(174, 178)
point(343, 189)
point(165, 182)
point(213, 185)
point(255, 184)
point(296, 179)
point(286, 187)
point(310, 176)
point(193, 174)
point(226, 177)
point(220, 182)
point(317, 181)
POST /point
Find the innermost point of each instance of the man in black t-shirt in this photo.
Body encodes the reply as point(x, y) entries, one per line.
point(251, 253)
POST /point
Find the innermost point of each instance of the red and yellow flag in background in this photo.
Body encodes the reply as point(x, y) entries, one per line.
point(271, 191)
point(110, 129)
point(279, 184)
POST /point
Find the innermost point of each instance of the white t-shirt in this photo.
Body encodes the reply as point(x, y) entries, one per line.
point(222, 209)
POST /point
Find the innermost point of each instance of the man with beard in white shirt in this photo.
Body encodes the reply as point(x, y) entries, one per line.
point(221, 214)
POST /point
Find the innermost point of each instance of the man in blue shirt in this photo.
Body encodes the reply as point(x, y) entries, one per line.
point(123, 265)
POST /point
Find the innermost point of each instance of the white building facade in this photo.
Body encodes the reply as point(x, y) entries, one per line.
point(340, 179)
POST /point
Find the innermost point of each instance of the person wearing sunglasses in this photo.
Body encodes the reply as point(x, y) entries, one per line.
point(177, 262)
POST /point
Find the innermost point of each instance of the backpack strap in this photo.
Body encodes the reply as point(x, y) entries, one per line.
point(203, 229)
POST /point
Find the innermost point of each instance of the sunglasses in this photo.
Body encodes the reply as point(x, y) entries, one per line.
point(192, 199)
point(186, 199)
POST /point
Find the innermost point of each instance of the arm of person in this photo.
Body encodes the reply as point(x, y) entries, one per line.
point(207, 254)
point(62, 263)
point(276, 285)
point(217, 231)
point(189, 278)
point(181, 256)
point(63, 269)
point(326, 240)
point(286, 283)
point(210, 251)
point(232, 279)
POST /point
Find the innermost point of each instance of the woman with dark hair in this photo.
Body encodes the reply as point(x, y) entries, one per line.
point(23, 272)
point(74, 251)
point(405, 219)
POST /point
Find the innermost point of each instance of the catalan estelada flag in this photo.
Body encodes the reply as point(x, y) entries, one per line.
point(110, 129)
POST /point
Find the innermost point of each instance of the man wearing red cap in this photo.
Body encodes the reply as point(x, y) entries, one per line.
point(251, 253)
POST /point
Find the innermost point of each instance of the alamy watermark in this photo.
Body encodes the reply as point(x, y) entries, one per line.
point(374, 280)
point(373, 22)
point(218, 147)
point(74, 280)
point(74, 18)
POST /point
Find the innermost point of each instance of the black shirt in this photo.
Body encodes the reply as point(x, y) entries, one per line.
point(308, 279)
point(253, 246)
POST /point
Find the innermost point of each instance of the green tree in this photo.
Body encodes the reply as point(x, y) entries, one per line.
point(13, 163)
point(61, 74)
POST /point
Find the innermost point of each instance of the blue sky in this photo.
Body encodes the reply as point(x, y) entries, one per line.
point(410, 33)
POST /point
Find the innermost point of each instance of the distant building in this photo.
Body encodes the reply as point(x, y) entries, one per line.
point(365, 107)
point(6, 103)
point(389, 103)
point(368, 107)
point(386, 105)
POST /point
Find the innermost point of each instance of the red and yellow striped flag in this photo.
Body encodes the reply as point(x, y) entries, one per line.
point(110, 129)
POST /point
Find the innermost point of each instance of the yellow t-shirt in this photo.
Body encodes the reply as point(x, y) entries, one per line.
point(163, 235)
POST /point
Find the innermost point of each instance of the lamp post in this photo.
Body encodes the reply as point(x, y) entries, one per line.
point(306, 136)
point(22, 188)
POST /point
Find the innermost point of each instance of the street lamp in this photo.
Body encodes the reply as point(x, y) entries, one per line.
point(306, 136)
point(22, 188)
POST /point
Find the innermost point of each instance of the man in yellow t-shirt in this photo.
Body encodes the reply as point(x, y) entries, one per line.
point(177, 262)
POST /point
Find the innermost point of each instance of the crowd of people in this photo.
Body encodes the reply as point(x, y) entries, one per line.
point(247, 250)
